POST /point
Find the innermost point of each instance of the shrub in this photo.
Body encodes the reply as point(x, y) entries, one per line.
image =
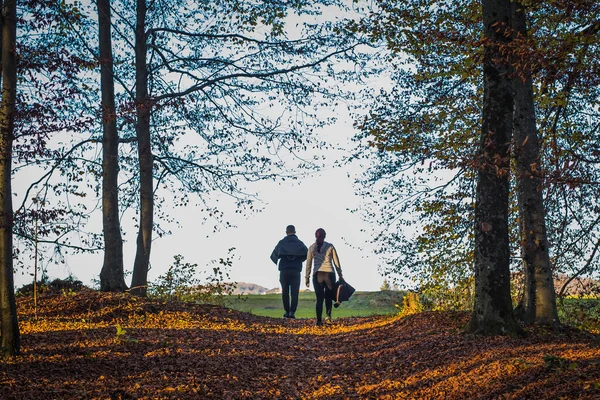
point(443, 297)
point(65, 286)
point(180, 282)
point(410, 304)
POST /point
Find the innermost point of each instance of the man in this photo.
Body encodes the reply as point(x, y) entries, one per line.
point(291, 253)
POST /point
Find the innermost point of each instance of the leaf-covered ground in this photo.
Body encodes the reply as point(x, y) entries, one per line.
point(91, 345)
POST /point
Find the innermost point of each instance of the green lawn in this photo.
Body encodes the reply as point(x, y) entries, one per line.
point(360, 305)
point(581, 313)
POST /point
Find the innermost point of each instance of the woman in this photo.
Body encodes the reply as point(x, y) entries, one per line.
point(323, 273)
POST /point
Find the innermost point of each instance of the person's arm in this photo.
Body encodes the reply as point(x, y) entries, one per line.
point(304, 251)
point(336, 262)
point(275, 254)
point(309, 259)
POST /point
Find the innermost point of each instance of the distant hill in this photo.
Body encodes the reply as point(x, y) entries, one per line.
point(576, 287)
point(249, 288)
point(253, 288)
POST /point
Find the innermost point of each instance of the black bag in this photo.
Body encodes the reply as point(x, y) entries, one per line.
point(343, 291)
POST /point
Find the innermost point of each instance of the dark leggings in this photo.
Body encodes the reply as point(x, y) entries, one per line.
point(323, 283)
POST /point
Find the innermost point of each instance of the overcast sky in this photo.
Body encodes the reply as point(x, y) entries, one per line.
point(319, 201)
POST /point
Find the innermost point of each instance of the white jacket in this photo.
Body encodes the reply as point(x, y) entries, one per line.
point(324, 261)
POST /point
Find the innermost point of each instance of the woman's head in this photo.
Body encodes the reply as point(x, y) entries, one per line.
point(320, 235)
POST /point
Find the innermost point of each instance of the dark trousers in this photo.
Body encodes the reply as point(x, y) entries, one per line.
point(290, 285)
point(323, 283)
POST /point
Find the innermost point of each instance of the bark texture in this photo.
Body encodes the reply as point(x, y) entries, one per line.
point(112, 276)
point(492, 311)
point(538, 304)
point(139, 281)
point(9, 326)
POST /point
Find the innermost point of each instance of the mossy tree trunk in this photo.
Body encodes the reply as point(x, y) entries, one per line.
point(538, 304)
point(492, 312)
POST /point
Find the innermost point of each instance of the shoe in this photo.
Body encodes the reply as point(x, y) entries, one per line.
point(319, 323)
point(291, 315)
point(286, 315)
point(328, 321)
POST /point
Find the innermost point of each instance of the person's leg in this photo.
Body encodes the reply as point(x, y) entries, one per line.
point(295, 289)
point(329, 283)
point(285, 292)
point(320, 293)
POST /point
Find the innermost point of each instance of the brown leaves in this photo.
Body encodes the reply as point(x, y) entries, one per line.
point(176, 350)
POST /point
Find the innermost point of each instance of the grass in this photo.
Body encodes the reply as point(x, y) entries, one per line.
point(582, 313)
point(361, 304)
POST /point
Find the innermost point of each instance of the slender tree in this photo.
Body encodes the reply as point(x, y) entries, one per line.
point(112, 274)
point(139, 280)
point(9, 327)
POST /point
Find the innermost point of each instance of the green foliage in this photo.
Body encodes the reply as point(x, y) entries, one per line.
point(556, 363)
point(181, 282)
point(420, 134)
point(582, 313)
point(441, 296)
point(121, 335)
point(385, 285)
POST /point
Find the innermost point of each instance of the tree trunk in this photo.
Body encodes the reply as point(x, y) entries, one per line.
point(9, 326)
point(139, 280)
point(538, 304)
point(111, 277)
point(492, 312)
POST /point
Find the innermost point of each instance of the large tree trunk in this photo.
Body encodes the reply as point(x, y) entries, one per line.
point(9, 326)
point(139, 280)
point(538, 304)
point(111, 277)
point(492, 312)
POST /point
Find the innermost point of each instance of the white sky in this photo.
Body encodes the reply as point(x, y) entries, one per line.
point(320, 201)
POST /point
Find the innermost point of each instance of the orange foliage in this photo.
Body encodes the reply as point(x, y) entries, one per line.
point(73, 350)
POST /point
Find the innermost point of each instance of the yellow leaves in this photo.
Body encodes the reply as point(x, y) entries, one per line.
point(189, 351)
point(177, 389)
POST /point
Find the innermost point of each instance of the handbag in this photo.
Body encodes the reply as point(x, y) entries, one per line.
point(343, 292)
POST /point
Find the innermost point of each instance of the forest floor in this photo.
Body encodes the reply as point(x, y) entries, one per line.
point(91, 345)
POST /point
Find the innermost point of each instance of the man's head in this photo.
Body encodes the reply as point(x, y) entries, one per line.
point(290, 230)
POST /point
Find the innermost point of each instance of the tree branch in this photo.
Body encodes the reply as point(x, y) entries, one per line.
point(582, 270)
point(258, 75)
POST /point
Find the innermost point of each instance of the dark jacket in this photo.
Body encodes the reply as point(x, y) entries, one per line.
point(291, 253)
